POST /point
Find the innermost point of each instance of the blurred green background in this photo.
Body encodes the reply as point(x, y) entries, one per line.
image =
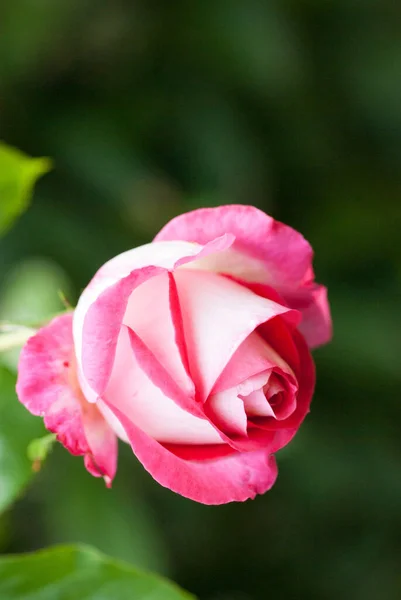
point(149, 109)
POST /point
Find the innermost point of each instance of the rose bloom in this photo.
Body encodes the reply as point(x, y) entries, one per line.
point(194, 349)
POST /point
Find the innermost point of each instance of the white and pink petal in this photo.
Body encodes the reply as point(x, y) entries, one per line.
point(265, 251)
point(235, 477)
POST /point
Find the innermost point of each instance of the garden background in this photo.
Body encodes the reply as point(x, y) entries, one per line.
point(149, 109)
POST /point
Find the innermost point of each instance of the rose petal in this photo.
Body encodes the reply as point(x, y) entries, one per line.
point(256, 405)
point(282, 254)
point(218, 315)
point(163, 255)
point(134, 393)
point(102, 306)
point(265, 251)
point(102, 442)
point(280, 386)
point(96, 342)
point(47, 385)
point(177, 323)
point(158, 375)
point(268, 432)
point(316, 325)
point(213, 247)
point(227, 412)
point(237, 477)
point(253, 356)
point(200, 453)
point(285, 429)
point(152, 315)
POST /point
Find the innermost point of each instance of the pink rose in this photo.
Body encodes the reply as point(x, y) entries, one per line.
point(193, 349)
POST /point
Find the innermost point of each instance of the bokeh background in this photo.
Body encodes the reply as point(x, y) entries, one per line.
point(151, 108)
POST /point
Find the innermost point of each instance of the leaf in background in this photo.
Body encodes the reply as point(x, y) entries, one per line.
point(18, 173)
point(17, 429)
point(63, 573)
point(39, 449)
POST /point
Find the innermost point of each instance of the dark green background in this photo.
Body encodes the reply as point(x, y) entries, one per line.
point(151, 108)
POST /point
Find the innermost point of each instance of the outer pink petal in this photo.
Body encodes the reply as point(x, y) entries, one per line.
point(265, 251)
point(227, 479)
point(316, 325)
point(47, 385)
point(102, 442)
point(284, 252)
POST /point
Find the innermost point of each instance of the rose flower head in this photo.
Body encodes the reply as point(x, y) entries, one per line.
point(193, 349)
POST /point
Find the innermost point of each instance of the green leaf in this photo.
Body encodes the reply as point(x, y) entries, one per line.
point(70, 572)
point(39, 449)
point(17, 428)
point(18, 173)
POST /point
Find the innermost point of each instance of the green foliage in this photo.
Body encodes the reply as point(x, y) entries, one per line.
point(18, 173)
point(69, 573)
point(17, 429)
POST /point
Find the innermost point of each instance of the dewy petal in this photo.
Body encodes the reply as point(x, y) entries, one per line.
point(47, 385)
point(236, 477)
point(265, 251)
